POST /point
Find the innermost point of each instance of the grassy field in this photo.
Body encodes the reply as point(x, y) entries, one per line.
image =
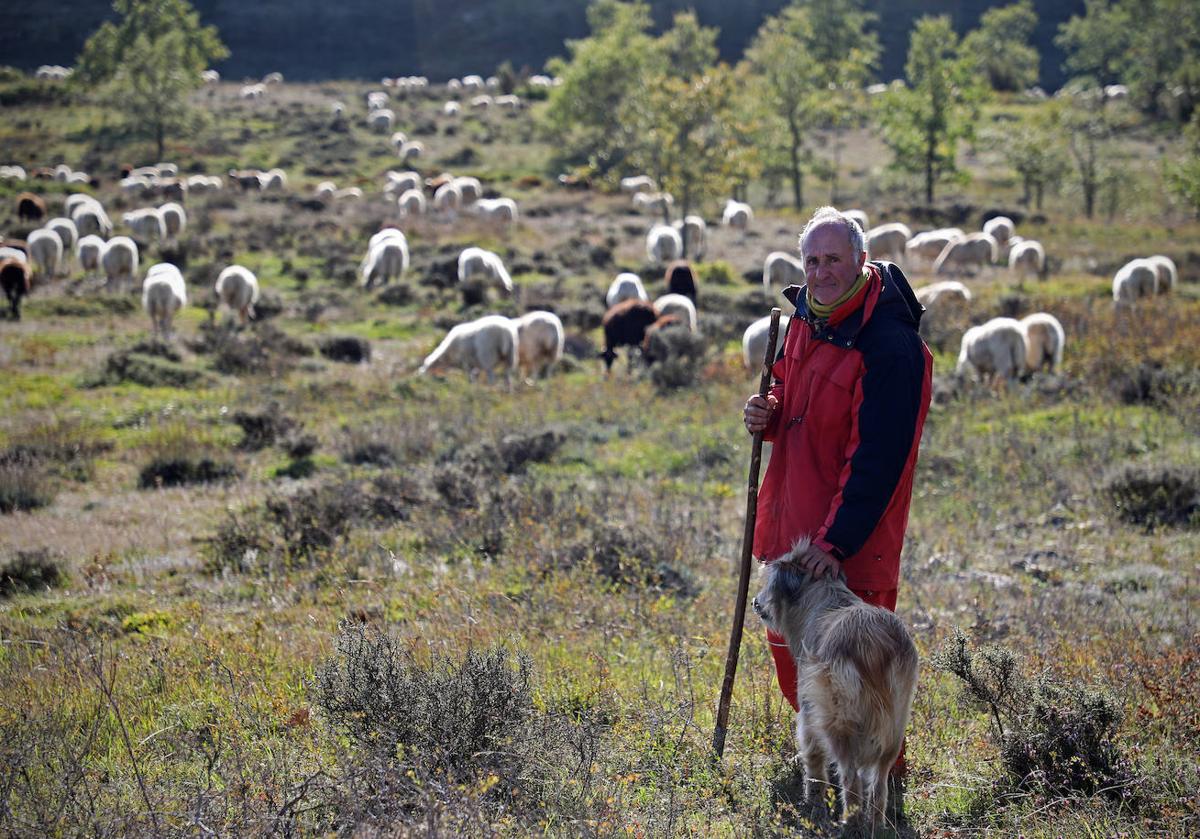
point(249, 589)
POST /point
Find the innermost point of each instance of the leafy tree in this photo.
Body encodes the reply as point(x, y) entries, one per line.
point(1183, 177)
point(1152, 46)
point(689, 48)
point(1088, 130)
point(115, 43)
point(923, 122)
point(1034, 149)
point(1001, 46)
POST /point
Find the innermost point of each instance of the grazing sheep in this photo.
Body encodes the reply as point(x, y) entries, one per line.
point(540, 343)
point(380, 121)
point(928, 246)
point(1167, 273)
point(737, 215)
point(252, 91)
point(146, 224)
point(16, 281)
point(975, 251)
point(681, 279)
point(273, 78)
point(1027, 258)
point(510, 102)
point(656, 202)
point(119, 261)
point(1135, 279)
point(625, 325)
point(237, 290)
point(325, 190)
point(30, 207)
point(377, 99)
point(387, 258)
point(888, 241)
point(472, 82)
point(663, 244)
point(90, 218)
point(410, 150)
point(783, 268)
point(210, 76)
point(1044, 339)
point(337, 110)
point(399, 182)
point(475, 263)
point(349, 193)
point(45, 253)
point(695, 233)
point(451, 109)
point(411, 203)
point(859, 217)
point(1001, 228)
point(943, 295)
point(680, 306)
point(483, 344)
point(482, 102)
point(202, 184)
point(496, 210)
point(447, 199)
point(89, 250)
point(754, 340)
point(995, 349)
point(638, 183)
point(626, 286)
point(69, 234)
point(471, 190)
point(273, 180)
point(163, 294)
point(174, 218)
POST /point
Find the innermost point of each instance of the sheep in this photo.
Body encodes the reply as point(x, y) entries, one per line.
point(943, 295)
point(90, 218)
point(995, 349)
point(324, 190)
point(1135, 279)
point(1044, 339)
point(947, 305)
point(451, 109)
point(663, 244)
point(15, 280)
point(472, 82)
point(410, 150)
point(754, 340)
point(398, 139)
point(483, 344)
point(482, 102)
point(67, 232)
point(273, 180)
point(476, 263)
point(174, 218)
point(387, 258)
point(1027, 258)
point(411, 203)
point(146, 224)
point(625, 325)
point(1167, 273)
point(273, 78)
point(119, 261)
point(927, 246)
point(376, 100)
point(694, 232)
point(380, 121)
point(201, 184)
point(783, 268)
point(210, 76)
point(511, 102)
point(237, 290)
point(1000, 227)
point(349, 193)
point(12, 173)
point(680, 306)
point(471, 190)
point(681, 279)
point(337, 110)
point(737, 215)
point(626, 286)
point(540, 343)
point(976, 250)
point(496, 210)
point(163, 294)
point(45, 252)
point(448, 198)
point(657, 202)
point(859, 217)
point(89, 249)
point(638, 183)
point(399, 182)
point(252, 91)
point(30, 207)
point(887, 241)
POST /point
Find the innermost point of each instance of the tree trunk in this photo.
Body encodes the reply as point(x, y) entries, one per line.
point(930, 153)
point(797, 175)
point(160, 140)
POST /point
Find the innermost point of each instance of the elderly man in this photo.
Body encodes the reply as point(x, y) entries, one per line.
point(845, 413)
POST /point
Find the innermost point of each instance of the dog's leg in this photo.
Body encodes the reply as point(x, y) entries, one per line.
point(816, 771)
point(879, 795)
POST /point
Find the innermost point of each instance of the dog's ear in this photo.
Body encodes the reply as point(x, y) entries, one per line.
point(788, 577)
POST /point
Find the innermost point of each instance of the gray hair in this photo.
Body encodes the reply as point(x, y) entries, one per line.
point(831, 215)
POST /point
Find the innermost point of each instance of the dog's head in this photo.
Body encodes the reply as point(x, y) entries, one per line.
point(783, 582)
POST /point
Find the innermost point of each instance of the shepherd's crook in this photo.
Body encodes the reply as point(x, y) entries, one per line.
point(739, 611)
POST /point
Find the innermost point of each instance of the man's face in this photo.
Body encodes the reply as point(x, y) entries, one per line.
point(830, 264)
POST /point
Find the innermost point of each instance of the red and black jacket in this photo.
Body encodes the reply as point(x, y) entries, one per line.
point(853, 393)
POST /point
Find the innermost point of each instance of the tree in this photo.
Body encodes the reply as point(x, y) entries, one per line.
point(923, 122)
point(1183, 178)
point(1087, 130)
point(688, 48)
point(1001, 46)
point(1034, 150)
point(151, 90)
point(113, 44)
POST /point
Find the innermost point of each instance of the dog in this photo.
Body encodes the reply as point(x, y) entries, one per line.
point(856, 670)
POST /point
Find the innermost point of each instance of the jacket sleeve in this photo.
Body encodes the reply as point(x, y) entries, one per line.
point(888, 401)
point(778, 370)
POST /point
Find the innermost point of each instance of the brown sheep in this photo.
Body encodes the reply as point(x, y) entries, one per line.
point(31, 207)
point(625, 325)
point(681, 279)
point(14, 279)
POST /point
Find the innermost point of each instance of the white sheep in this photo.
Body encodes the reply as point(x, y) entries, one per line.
point(325, 190)
point(273, 180)
point(90, 218)
point(638, 183)
point(447, 199)
point(1167, 273)
point(474, 263)
point(273, 78)
point(411, 203)
point(337, 110)
point(680, 306)
point(482, 102)
point(655, 202)
point(201, 184)
point(483, 344)
point(510, 102)
point(754, 340)
point(349, 193)
point(888, 241)
point(927, 246)
point(626, 286)
point(69, 235)
point(737, 215)
point(45, 252)
point(174, 218)
point(540, 341)
point(783, 268)
point(473, 82)
point(1135, 279)
point(119, 261)
point(387, 258)
point(695, 234)
point(163, 294)
point(451, 109)
point(947, 294)
point(975, 251)
point(146, 223)
point(859, 217)
point(398, 139)
point(210, 76)
point(89, 250)
point(252, 91)
point(410, 150)
point(398, 182)
point(1027, 258)
point(380, 121)
point(470, 189)
point(994, 349)
point(496, 210)
point(663, 244)
point(1044, 339)
point(377, 99)
point(237, 290)
point(1001, 228)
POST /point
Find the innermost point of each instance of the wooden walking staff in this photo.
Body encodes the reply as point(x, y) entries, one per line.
point(739, 611)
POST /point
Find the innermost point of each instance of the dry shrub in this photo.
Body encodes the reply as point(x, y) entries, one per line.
point(1155, 494)
point(66, 445)
point(182, 470)
point(628, 555)
point(34, 570)
point(149, 364)
point(347, 349)
point(262, 428)
point(676, 355)
point(24, 484)
point(265, 349)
